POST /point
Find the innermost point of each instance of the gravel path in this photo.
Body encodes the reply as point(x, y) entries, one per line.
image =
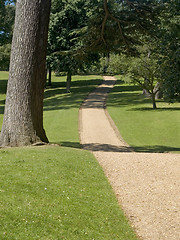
point(147, 185)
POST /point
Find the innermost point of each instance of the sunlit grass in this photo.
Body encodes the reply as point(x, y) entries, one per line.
point(64, 107)
point(54, 192)
point(57, 193)
point(142, 127)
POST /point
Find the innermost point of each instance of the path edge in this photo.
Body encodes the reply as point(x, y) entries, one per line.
point(111, 121)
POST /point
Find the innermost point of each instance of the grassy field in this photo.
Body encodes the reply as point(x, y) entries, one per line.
point(51, 193)
point(145, 129)
point(64, 108)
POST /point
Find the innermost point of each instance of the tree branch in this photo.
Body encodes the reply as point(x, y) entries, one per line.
point(108, 14)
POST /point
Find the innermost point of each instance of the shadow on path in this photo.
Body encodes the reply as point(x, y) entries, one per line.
point(112, 148)
point(95, 147)
point(97, 98)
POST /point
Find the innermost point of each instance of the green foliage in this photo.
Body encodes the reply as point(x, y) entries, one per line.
point(140, 126)
point(118, 63)
point(2, 15)
point(68, 21)
point(7, 16)
point(142, 70)
point(117, 26)
point(169, 46)
point(5, 56)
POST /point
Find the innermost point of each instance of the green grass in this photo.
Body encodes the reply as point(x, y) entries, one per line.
point(63, 126)
point(145, 129)
point(57, 193)
point(51, 193)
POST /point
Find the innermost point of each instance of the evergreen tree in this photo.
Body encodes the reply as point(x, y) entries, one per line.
point(169, 49)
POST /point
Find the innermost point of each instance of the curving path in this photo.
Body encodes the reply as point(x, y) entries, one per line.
point(147, 185)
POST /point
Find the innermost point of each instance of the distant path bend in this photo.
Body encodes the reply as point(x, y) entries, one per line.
point(147, 185)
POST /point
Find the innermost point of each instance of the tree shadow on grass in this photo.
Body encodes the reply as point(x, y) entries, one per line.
point(57, 98)
point(71, 144)
point(111, 148)
point(2, 102)
point(3, 86)
point(143, 109)
point(130, 88)
point(50, 92)
point(76, 87)
point(132, 96)
point(156, 149)
point(89, 82)
point(124, 95)
point(66, 101)
point(56, 85)
point(127, 99)
point(1, 109)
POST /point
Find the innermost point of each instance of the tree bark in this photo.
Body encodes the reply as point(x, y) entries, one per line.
point(157, 91)
point(50, 77)
point(153, 100)
point(23, 117)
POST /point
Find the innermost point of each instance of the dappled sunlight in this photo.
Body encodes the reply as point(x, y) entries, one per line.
point(57, 98)
point(97, 147)
point(64, 101)
point(144, 128)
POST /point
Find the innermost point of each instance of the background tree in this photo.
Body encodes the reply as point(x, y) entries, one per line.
point(5, 56)
point(7, 15)
point(68, 22)
point(116, 26)
point(23, 117)
point(142, 70)
point(169, 49)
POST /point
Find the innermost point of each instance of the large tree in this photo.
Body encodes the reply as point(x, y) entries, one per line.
point(23, 117)
point(68, 22)
point(117, 26)
point(169, 49)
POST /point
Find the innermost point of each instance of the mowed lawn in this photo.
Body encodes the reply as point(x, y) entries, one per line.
point(143, 128)
point(54, 192)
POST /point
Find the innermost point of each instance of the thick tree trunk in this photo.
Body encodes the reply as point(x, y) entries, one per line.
point(23, 117)
point(145, 92)
point(153, 100)
point(68, 81)
point(157, 91)
point(50, 77)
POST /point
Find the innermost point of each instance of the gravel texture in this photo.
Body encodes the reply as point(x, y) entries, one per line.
point(147, 185)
